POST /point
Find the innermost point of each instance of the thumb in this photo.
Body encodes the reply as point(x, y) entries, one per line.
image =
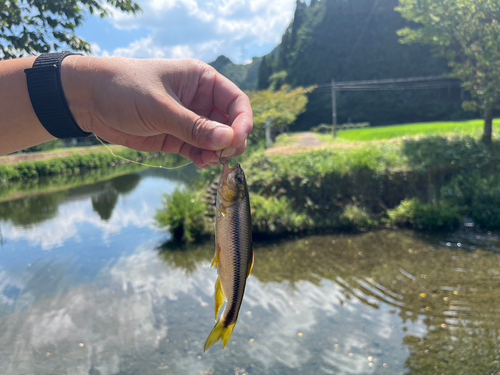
point(199, 131)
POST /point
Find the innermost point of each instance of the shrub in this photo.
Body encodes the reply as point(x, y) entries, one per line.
point(413, 213)
point(355, 217)
point(275, 215)
point(26, 169)
point(485, 205)
point(183, 213)
point(8, 173)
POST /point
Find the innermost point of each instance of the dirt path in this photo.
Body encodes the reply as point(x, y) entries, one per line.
point(300, 143)
point(61, 153)
point(308, 140)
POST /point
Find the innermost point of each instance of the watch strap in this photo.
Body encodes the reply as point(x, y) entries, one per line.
point(47, 96)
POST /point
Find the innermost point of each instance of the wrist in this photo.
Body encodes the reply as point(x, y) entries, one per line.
point(77, 77)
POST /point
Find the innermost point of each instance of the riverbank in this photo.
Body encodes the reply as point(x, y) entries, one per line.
point(58, 153)
point(427, 183)
point(67, 161)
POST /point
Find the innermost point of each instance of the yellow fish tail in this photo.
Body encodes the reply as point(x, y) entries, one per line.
point(220, 332)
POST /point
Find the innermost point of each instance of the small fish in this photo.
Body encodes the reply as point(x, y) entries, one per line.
point(233, 250)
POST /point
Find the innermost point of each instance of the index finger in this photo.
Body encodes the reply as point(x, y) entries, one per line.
point(229, 99)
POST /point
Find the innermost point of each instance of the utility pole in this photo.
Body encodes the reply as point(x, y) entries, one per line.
point(334, 109)
point(269, 141)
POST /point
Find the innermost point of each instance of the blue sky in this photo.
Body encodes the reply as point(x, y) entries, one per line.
point(201, 29)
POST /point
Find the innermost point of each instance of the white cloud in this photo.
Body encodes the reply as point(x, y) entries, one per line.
point(162, 5)
point(149, 312)
point(239, 29)
point(145, 48)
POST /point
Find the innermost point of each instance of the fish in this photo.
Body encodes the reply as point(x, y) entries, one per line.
point(234, 255)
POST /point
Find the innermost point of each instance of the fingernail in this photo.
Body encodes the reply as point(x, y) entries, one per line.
point(228, 151)
point(222, 136)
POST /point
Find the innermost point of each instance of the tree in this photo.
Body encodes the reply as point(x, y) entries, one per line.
point(281, 108)
point(264, 74)
point(467, 34)
point(357, 40)
point(40, 26)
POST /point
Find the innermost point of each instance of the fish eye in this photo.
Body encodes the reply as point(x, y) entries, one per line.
point(239, 179)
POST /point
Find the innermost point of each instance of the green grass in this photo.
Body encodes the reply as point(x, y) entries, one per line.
point(460, 128)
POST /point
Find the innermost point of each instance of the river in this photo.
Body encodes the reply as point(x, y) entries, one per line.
point(86, 288)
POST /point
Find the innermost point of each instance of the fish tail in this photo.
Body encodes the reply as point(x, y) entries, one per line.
point(220, 332)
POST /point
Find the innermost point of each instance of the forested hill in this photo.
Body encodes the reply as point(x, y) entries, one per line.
point(245, 76)
point(357, 40)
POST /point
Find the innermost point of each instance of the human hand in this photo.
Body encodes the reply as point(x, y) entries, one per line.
point(175, 106)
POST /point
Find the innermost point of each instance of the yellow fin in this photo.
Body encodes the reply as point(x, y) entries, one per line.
point(219, 332)
point(219, 297)
point(215, 262)
point(251, 264)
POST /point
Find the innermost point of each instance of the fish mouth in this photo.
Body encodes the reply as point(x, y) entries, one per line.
point(227, 170)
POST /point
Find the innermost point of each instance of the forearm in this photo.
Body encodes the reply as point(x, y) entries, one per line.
point(176, 106)
point(19, 126)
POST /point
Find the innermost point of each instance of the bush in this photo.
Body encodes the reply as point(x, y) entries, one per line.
point(275, 215)
point(68, 164)
point(485, 205)
point(8, 173)
point(413, 213)
point(183, 213)
point(355, 217)
point(26, 169)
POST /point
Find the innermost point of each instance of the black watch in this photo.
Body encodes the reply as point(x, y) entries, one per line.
point(47, 96)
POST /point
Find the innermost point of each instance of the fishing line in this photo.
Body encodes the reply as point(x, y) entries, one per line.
point(137, 162)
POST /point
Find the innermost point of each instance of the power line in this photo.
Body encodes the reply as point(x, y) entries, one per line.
point(389, 88)
point(409, 83)
point(392, 84)
point(393, 80)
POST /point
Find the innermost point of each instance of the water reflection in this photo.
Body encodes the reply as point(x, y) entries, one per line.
point(31, 210)
point(107, 301)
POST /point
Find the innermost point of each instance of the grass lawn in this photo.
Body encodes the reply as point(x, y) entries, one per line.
point(292, 143)
point(462, 128)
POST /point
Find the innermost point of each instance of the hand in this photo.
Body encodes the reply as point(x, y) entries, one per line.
point(176, 106)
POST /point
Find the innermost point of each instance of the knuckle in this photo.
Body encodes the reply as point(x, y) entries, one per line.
point(205, 69)
point(199, 130)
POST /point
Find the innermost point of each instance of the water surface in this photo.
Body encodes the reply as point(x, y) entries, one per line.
point(85, 288)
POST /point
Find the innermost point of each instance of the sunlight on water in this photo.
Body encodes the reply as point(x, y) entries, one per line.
point(86, 289)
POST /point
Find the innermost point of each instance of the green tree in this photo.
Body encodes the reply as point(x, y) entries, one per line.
point(264, 74)
point(39, 26)
point(343, 40)
point(467, 34)
point(281, 108)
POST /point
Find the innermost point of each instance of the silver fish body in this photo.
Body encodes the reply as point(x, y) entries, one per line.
point(234, 250)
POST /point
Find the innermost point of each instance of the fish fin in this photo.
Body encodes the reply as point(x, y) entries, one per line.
point(251, 264)
point(226, 335)
point(215, 262)
point(219, 332)
point(219, 297)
